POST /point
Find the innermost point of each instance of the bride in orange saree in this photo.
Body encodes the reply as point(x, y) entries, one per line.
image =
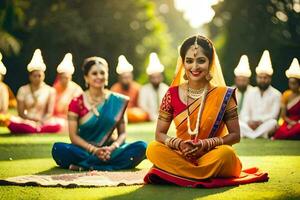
point(205, 114)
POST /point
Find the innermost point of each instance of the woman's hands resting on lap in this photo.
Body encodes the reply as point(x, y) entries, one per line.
point(104, 153)
point(192, 150)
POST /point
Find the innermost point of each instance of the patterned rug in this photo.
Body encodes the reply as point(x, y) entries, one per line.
point(83, 179)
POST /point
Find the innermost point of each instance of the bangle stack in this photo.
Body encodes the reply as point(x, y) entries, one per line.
point(92, 149)
point(115, 145)
point(213, 142)
point(173, 143)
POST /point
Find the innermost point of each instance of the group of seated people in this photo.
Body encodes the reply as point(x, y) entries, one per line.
point(43, 109)
point(204, 111)
point(262, 107)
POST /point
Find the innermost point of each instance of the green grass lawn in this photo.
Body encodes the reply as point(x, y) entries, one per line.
point(31, 154)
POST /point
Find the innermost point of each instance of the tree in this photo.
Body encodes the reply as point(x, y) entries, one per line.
point(11, 22)
point(90, 28)
point(249, 27)
point(178, 29)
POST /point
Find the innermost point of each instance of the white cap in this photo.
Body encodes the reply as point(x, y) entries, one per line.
point(2, 67)
point(294, 70)
point(66, 65)
point(243, 68)
point(265, 65)
point(154, 65)
point(37, 62)
point(123, 65)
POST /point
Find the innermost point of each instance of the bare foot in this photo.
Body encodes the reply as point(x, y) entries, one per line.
point(75, 168)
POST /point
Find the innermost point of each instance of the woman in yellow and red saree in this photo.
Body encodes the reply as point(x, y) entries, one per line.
point(204, 111)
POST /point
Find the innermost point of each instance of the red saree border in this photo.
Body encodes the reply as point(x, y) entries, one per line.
point(251, 175)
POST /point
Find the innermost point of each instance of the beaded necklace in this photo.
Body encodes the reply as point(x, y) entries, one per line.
point(195, 132)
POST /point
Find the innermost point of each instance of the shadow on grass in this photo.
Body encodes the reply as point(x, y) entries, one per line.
point(25, 151)
point(5, 135)
point(168, 192)
point(58, 170)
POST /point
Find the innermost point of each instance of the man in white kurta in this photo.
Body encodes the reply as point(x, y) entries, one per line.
point(152, 93)
point(261, 107)
point(241, 95)
point(242, 75)
point(150, 98)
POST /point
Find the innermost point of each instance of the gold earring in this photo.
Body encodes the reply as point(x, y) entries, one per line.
point(208, 77)
point(185, 76)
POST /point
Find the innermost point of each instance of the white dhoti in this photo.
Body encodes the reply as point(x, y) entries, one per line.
point(261, 131)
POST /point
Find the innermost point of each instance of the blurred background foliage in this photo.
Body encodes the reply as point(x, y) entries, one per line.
point(249, 27)
point(135, 28)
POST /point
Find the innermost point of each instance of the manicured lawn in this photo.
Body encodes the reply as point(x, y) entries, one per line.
point(31, 154)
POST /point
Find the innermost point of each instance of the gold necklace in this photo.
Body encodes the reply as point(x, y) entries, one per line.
point(94, 102)
point(195, 132)
point(195, 93)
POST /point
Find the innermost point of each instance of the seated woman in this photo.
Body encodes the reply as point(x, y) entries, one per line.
point(204, 111)
point(92, 117)
point(65, 88)
point(290, 107)
point(35, 102)
point(4, 97)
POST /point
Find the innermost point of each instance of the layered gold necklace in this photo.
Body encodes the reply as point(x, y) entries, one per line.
point(196, 94)
point(95, 101)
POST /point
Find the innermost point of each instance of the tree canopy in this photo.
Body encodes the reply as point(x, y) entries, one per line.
point(88, 28)
point(249, 27)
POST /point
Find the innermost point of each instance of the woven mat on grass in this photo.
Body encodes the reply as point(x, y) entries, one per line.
point(83, 179)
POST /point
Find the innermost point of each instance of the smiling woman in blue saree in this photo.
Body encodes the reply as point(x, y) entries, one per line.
point(93, 117)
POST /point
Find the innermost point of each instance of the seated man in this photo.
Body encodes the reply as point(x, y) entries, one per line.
point(65, 88)
point(127, 86)
point(261, 107)
point(4, 97)
point(152, 93)
point(242, 75)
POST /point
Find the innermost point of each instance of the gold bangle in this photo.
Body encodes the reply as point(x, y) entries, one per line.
point(91, 149)
point(115, 144)
point(89, 146)
point(208, 144)
point(202, 145)
point(222, 141)
point(173, 142)
point(95, 149)
point(167, 141)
